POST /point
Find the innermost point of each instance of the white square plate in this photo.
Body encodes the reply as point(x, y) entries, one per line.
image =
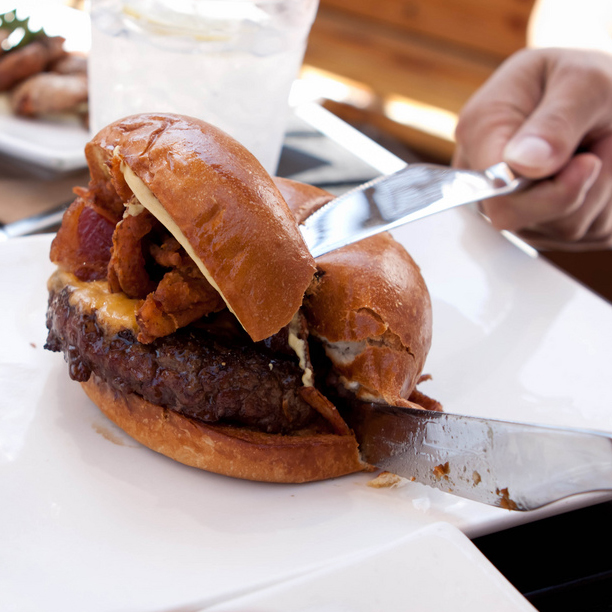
point(432, 570)
point(91, 520)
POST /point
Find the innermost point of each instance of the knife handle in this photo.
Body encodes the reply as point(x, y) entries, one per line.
point(506, 180)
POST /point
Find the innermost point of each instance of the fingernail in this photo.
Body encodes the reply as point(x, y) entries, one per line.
point(529, 151)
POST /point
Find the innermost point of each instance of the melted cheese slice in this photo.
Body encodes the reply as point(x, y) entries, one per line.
point(147, 199)
point(114, 311)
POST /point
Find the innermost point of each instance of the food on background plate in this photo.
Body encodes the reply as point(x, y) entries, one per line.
point(49, 93)
point(189, 308)
point(42, 78)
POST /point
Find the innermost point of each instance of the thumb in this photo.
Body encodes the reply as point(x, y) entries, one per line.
point(549, 137)
point(531, 155)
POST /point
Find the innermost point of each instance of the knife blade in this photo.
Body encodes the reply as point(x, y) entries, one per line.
point(511, 465)
point(414, 192)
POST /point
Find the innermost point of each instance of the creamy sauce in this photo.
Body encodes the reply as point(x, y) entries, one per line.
point(299, 346)
point(344, 352)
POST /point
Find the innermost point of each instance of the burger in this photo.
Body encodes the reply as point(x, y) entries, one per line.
point(189, 308)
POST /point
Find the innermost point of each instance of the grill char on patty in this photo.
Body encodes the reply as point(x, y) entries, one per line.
point(212, 373)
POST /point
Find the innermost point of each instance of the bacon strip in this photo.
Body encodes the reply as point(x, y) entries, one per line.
point(82, 244)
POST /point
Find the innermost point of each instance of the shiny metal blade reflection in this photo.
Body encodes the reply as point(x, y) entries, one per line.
point(417, 191)
point(511, 465)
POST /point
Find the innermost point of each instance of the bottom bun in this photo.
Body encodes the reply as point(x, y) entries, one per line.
point(227, 450)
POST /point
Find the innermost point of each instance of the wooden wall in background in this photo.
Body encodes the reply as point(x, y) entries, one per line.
point(434, 51)
point(490, 26)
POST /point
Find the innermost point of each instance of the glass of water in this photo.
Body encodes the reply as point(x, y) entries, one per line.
point(228, 62)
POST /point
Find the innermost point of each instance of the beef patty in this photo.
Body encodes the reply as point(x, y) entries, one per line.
point(205, 372)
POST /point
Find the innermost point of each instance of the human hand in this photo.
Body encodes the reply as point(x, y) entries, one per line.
point(548, 114)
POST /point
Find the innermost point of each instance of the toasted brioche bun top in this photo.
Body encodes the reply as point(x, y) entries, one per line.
point(301, 198)
point(219, 203)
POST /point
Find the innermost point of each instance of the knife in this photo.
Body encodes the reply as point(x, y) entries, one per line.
point(511, 465)
point(414, 192)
